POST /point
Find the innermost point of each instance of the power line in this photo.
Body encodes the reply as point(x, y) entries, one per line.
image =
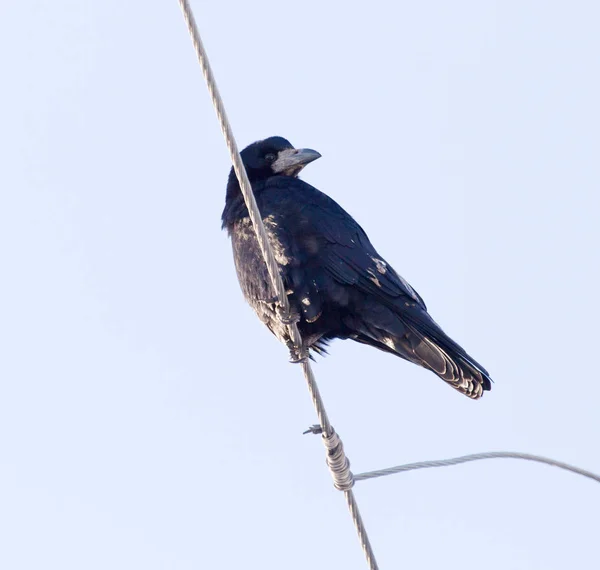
point(476, 457)
point(336, 459)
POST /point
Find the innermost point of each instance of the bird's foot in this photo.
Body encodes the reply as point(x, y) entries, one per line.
point(287, 319)
point(297, 354)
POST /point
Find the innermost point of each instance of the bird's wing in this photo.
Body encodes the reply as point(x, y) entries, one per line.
point(397, 314)
point(327, 262)
point(346, 253)
point(323, 253)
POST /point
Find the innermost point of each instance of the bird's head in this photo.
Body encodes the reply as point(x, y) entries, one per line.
point(275, 156)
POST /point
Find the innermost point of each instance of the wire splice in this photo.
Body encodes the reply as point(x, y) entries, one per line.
point(338, 463)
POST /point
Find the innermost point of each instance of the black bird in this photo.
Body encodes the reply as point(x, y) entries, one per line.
point(338, 285)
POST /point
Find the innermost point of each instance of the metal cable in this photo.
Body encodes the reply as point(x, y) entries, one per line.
point(339, 461)
point(475, 457)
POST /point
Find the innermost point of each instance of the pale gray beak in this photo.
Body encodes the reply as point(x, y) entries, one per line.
point(292, 160)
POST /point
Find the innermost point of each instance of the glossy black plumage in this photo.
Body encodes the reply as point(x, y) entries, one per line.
point(338, 285)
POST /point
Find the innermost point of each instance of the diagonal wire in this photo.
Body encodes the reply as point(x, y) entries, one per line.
point(476, 457)
point(330, 438)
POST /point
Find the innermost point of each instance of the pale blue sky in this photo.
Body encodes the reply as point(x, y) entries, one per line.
point(148, 420)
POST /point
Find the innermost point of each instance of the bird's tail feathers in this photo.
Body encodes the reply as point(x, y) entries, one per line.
point(454, 368)
point(425, 343)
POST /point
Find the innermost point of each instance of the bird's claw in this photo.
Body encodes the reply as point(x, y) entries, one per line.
point(297, 356)
point(288, 319)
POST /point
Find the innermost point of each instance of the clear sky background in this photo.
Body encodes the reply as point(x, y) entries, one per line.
point(148, 420)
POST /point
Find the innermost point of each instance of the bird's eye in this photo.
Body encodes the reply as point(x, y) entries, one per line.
point(270, 157)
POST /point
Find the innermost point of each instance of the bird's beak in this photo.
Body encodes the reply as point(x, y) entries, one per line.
point(292, 160)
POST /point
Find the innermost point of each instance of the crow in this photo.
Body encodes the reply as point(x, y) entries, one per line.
point(338, 286)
